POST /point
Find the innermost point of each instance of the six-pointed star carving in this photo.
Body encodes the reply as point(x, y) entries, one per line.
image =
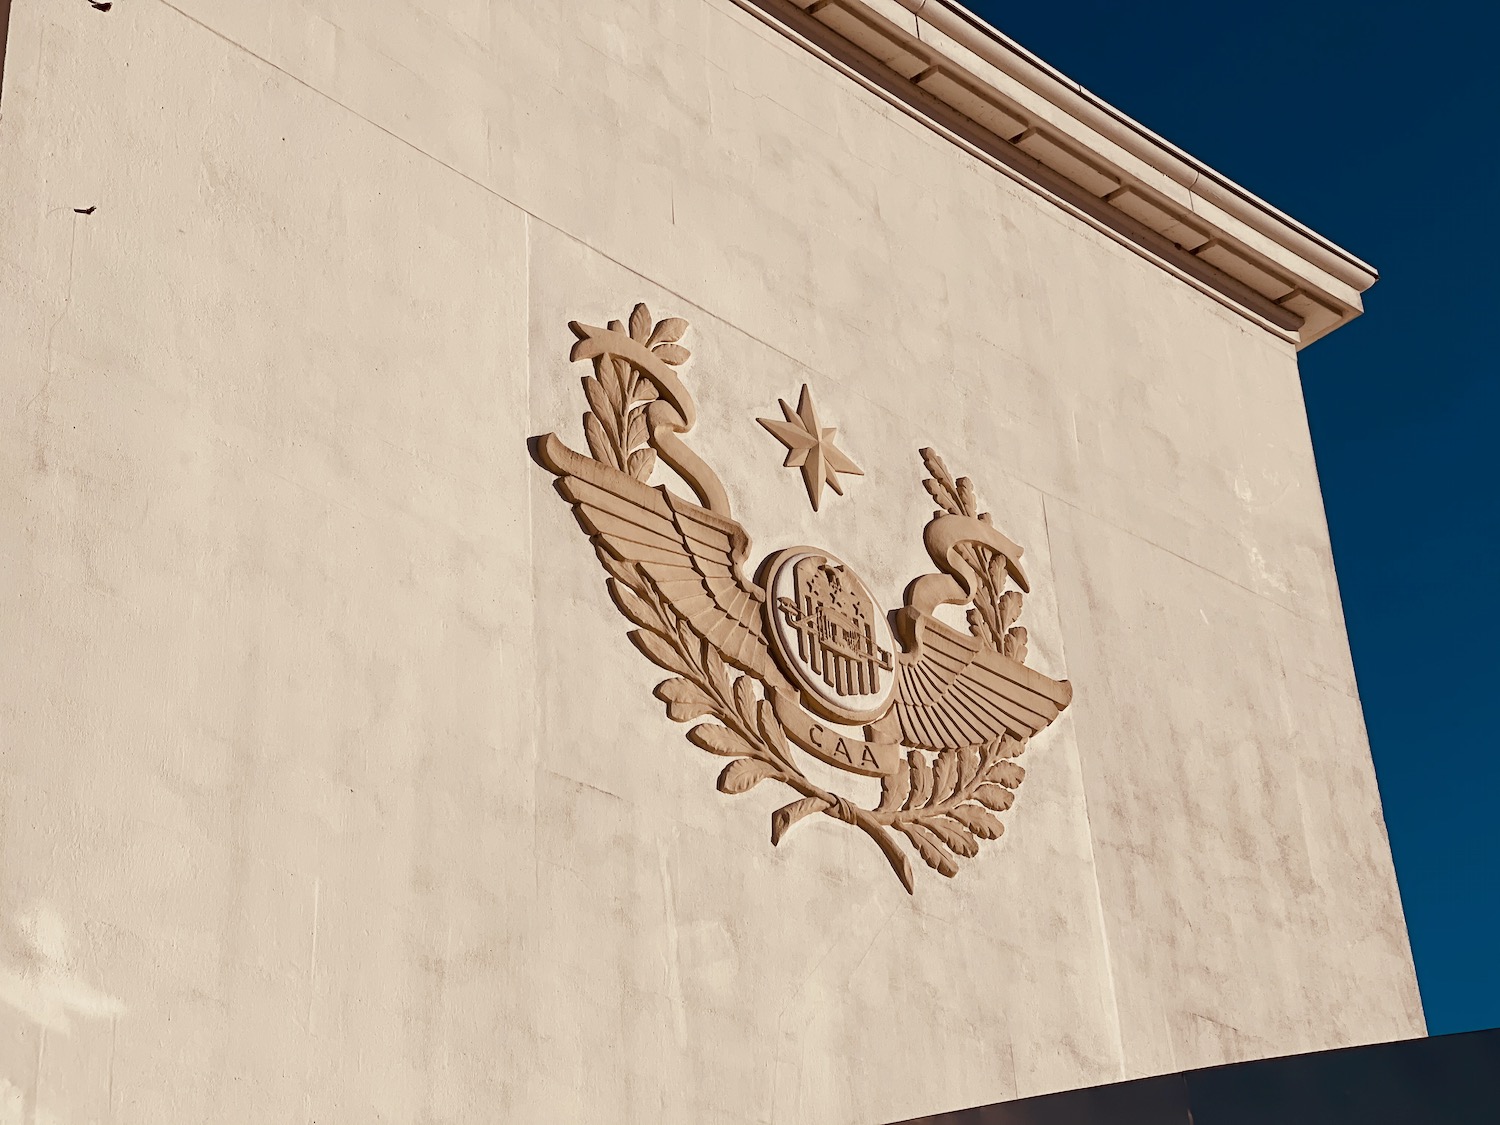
point(810, 447)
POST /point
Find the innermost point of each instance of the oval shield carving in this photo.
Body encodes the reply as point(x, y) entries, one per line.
point(831, 637)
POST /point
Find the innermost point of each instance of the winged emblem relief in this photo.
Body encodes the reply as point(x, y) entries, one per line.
point(800, 659)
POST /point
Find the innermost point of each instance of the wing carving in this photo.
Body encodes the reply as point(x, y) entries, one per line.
point(691, 555)
point(957, 690)
point(953, 691)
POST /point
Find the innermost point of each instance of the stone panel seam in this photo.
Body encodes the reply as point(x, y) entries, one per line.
point(488, 189)
point(1109, 965)
point(985, 158)
point(537, 768)
point(325, 95)
point(1256, 255)
point(1039, 179)
point(1221, 305)
point(1181, 557)
point(716, 314)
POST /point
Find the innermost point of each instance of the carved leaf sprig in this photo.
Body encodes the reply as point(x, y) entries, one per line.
point(616, 426)
point(742, 723)
point(994, 610)
point(943, 805)
point(946, 806)
point(744, 726)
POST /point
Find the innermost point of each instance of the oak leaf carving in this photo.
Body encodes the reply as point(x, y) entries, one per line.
point(668, 331)
point(979, 821)
point(719, 740)
point(744, 774)
point(685, 700)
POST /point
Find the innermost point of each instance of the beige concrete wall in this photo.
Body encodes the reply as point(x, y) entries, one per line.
point(332, 790)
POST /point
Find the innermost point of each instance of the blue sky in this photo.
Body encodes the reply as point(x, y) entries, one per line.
point(1375, 123)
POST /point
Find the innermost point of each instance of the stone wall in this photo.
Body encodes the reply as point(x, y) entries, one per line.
point(332, 788)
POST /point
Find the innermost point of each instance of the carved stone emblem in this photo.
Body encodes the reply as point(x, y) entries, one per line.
point(830, 636)
point(803, 658)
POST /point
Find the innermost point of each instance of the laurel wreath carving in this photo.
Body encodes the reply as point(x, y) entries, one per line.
point(942, 804)
point(615, 425)
point(995, 609)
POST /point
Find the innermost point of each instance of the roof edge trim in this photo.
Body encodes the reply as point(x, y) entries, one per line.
point(945, 66)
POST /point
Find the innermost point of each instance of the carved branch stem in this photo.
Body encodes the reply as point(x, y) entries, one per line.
point(871, 823)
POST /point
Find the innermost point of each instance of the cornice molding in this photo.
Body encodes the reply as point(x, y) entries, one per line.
point(992, 97)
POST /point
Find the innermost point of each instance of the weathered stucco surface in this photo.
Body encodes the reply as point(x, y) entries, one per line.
point(332, 789)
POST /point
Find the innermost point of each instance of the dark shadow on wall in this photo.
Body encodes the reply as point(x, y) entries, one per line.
point(4, 35)
point(1444, 1080)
